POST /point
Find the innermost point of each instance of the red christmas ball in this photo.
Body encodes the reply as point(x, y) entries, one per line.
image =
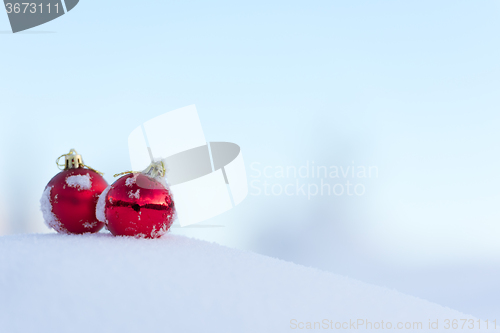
point(137, 205)
point(69, 201)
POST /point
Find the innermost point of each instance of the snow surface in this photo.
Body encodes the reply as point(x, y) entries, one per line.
point(100, 283)
point(82, 182)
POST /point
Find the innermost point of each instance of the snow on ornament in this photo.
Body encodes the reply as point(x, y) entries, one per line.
point(138, 204)
point(69, 200)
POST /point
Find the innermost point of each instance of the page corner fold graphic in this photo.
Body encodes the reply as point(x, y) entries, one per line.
point(26, 15)
point(199, 190)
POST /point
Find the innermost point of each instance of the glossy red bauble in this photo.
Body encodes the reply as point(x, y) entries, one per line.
point(69, 201)
point(138, 205)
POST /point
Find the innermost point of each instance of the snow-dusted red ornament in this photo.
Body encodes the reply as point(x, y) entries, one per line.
point(69, 200)
point(138, 204)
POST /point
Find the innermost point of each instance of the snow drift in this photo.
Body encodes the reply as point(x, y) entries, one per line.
point(100, 283)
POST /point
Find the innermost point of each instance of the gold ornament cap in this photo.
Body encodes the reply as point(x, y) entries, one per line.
point(155, 170)
point(72, 160)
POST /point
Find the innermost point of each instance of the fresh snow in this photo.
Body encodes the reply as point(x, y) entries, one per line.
point(49, 217)
point(100, 283)
point(131, 181)
point(82, 182)
point(136, 194)
point(89, 225)
point(101, 205)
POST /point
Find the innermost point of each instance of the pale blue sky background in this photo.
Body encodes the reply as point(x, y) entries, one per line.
point(409, 86)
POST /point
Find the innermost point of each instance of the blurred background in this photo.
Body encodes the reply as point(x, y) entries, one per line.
point(410, 87)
